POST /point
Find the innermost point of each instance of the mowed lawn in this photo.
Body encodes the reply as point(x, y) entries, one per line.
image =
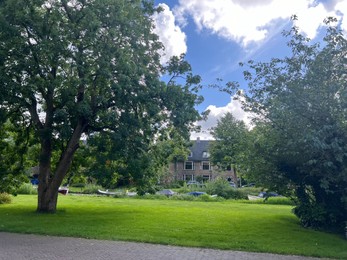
point(221, 225)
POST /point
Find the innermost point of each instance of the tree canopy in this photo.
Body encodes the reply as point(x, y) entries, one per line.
point(301, 101)
point(75, 68)
point(228, 149)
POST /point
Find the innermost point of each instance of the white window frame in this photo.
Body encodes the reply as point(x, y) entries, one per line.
point(205, 177)
point(190, 177)
point(185, 165)
point(204, 163)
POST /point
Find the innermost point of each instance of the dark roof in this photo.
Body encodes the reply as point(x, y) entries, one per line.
point(198, 148)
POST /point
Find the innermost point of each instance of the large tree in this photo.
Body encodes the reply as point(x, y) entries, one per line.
point(75, 67)
point(302, 101)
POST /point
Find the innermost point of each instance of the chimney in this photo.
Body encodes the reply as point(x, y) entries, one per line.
point(198, 139)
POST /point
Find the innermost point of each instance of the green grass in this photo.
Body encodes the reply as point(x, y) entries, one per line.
point(222, 225)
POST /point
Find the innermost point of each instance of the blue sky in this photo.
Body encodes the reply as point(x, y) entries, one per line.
point(218, 34)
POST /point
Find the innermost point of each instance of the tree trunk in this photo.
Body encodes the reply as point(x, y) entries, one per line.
point(47, 200)
point(49, 183)
point(233, 167)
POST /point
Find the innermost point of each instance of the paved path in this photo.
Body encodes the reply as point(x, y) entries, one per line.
point(19, 246)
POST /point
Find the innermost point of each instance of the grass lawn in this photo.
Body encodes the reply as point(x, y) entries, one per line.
point(221, 225)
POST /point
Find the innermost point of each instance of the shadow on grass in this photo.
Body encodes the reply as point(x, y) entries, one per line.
point(101, 223)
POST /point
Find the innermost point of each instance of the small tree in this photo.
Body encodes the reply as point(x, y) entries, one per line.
point(228, 149)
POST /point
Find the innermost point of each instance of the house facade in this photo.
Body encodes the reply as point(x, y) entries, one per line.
point(198, 166)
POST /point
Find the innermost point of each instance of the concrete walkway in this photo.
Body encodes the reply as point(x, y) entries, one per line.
point(19, 246)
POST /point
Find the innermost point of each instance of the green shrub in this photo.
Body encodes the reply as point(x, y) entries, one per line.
point(78, 185)
point(311, 215)
point(27, 188)
point(120, 195)
point(279, 201)
point(206, 197)
point(184, 188)
point(171, 185)
point(272, 201)
point(175, 184)
point(184, 197)
point(235, 194)
point(5, 198)
point(223, 189)
point(91, 189)
point(78, 180)
point(250, 190)
point(153, 197)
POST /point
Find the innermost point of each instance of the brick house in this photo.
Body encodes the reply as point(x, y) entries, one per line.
point(198, 165)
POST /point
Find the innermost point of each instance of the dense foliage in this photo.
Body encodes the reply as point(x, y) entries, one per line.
point(227, 151)
point(301, 103)
point(14, 140)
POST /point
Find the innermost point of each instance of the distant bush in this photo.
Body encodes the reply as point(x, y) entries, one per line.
point(185, 197)
point(153, 197)
point(120, 195)
point(184, 188)
point(204, 197)
point(91, 189)
point(78, 180)
point(251, 190)
point(235, 194)
point(223, 189)
point(174, 185)
point(207, 198)
point(279, 201)
point(27, 188)
point(78, 185)
point(272, 201)
point(5, 198)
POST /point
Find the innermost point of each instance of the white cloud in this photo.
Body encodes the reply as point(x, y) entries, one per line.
point(171, 35)
point(341, 8)
point(216, 113)
point(247, 21)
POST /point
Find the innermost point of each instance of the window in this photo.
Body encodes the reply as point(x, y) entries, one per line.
point(190, 154)
point(189, 165)
point(206, 177)
point(188, 177)
point(206, 166)
point(205, 154)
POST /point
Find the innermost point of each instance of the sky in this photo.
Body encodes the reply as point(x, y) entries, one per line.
point(216, 35)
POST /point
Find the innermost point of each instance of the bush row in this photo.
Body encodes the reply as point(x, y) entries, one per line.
point(218, 187)
point(186, 197)
point(272, 201)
